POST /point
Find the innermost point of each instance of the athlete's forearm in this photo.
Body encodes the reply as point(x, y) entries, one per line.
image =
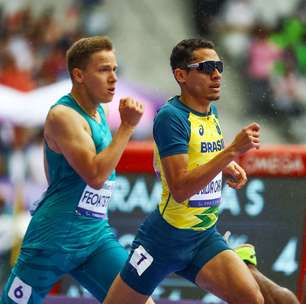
point(107, 160)
point(191, 182)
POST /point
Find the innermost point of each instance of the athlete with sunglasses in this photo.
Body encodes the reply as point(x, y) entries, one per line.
point(181, 235)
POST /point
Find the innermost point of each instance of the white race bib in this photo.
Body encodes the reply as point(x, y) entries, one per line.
point(20, 292)
point(93, 202)
point(209, 196)
point(141, 260)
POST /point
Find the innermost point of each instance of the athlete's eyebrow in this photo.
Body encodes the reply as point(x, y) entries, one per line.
point(108, 65)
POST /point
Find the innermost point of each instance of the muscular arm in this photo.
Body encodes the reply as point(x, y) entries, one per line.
point(67, 133)
point(183, 183)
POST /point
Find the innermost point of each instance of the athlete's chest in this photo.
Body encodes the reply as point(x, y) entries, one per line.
point(206, 138)
point(100, 134)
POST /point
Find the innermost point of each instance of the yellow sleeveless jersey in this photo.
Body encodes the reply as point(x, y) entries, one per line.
point(180, 130)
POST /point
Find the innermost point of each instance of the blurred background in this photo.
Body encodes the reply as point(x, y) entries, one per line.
point(263, 45)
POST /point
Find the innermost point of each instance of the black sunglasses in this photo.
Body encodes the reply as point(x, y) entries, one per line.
point(208, 66)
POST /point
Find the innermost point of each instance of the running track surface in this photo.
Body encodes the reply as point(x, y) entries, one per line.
point(65, 300)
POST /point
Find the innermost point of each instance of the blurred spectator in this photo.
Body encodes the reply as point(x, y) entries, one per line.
point(205, 12)
point(34, 158)
point(94, 20)
point(25, 160)
point(33, 48)
point(267, 42)
point(4, 207)
point(287, 101)
point(16, 160)
point(291, 32)
point(18, 43)
point(54, 66)
point(269, 12)
point(300, 52)
point(301, 10)
point(2, 23)
point(235, 24)
point(262, 55)
point(12, 76)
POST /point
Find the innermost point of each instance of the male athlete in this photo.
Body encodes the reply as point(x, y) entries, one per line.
point(69, 230)
point(181, 235)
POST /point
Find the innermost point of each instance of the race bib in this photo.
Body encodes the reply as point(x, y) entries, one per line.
point(20, 292)
point(93, 202)
point(141, 260)
point(209, 196)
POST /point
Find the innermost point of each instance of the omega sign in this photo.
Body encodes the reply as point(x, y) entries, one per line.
point(283, 163)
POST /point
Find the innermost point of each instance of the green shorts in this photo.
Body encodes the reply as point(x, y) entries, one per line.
point(36, 271)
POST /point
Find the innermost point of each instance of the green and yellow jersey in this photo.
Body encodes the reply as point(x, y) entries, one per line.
point(180, 130)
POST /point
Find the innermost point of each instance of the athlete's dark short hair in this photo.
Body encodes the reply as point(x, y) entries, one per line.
point(182, 53)
point(79, 53)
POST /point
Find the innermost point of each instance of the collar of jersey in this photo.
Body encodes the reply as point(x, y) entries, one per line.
point(178, 102)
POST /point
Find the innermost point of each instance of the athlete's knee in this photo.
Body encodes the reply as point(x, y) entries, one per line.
point(121, 292)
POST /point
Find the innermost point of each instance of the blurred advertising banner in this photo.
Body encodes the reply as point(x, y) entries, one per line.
point(29, 109)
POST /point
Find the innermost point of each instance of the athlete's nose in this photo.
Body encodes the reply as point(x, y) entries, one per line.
point(216, 74)
point(113, 77)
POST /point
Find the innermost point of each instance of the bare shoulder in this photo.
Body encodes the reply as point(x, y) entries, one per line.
point(62, 114)
point(63, 117)
point(62, 122)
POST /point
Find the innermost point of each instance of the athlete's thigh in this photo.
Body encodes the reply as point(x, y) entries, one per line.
point(227, 276)
point(146, 268)
point(156, 252)
point(206, 250)
point(31, 279)
point(100, 269)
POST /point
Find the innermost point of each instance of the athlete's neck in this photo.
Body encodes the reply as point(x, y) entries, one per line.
point(201, 106)
point(84, 102)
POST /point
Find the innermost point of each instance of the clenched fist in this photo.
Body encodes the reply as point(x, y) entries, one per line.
point(130, 111)
point(247, 138)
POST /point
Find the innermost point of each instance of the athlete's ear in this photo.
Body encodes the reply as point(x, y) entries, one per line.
point(77, 75)
point(180, 75)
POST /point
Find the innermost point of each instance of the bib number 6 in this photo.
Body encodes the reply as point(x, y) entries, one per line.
point(20, 292)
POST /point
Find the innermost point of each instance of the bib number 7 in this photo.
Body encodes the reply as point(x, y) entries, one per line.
point(140, 260)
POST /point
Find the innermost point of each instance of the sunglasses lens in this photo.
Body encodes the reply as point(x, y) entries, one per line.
point(219, 66)
point(209, 66)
